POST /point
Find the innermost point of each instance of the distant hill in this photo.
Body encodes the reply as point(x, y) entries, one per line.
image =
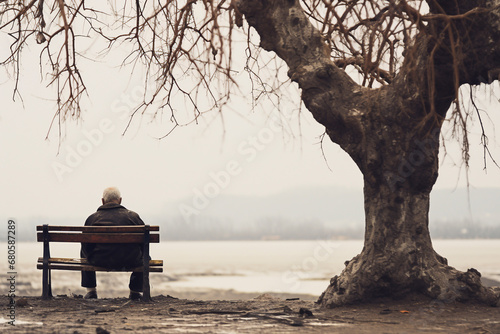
point(320, 212)
point(343, 207)
point(484, 205)
point(304, 213)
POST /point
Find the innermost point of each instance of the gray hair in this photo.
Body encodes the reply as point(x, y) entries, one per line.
point(111, 194)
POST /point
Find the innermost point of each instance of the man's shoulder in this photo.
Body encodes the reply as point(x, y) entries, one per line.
point(134, 216)
point(133, 213)
point(114, 215)
point(93, 217)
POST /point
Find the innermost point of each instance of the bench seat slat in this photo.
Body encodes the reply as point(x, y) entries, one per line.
point(93, 229)
point(84, 261)
point(99, 237)
point(84, 267)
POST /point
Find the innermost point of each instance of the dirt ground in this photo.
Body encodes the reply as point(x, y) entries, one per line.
point(262, 314)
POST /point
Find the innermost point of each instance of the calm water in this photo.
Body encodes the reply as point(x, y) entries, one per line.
point(258, 266)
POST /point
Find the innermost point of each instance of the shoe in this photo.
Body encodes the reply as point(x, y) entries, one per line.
point(135, 296)
point(91, 295)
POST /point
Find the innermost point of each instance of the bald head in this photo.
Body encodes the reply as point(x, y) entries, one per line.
point(111, 195)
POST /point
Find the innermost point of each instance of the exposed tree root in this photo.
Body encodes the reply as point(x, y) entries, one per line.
point(364, 280)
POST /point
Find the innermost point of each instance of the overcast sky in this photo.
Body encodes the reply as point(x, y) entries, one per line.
point(250, 154)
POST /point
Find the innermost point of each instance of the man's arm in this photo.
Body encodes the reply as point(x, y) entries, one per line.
point(86, 247)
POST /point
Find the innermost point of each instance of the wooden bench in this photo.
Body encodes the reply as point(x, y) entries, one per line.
point(95, 234)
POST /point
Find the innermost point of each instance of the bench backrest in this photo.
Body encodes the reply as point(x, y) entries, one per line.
point(98, 234)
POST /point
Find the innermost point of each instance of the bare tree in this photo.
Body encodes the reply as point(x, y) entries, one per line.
point(381, 76)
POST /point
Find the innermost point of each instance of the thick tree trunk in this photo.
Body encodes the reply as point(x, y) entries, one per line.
point(398, 258)
point(400, 167)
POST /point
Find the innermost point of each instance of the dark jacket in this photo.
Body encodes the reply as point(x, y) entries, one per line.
point(114, 256)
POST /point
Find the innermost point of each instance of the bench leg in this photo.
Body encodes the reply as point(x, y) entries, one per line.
point(146, 292)
point(50, 283)
point(46, 279)
point(45, 284)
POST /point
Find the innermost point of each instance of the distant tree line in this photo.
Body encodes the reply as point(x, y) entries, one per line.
point(464, 230)
point(205, 228)
point(210, 228)
point(263, 229)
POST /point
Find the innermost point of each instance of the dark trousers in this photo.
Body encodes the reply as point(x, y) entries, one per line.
point(89, 280)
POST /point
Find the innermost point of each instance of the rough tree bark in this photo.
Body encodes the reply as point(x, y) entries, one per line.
point(392, 133)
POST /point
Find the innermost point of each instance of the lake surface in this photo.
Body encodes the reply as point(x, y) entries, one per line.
point(300, 267)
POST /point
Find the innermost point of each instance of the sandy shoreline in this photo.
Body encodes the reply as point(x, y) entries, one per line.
point(261, 314)
point(229, 311)
point(202, 310)
point(115, 285)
